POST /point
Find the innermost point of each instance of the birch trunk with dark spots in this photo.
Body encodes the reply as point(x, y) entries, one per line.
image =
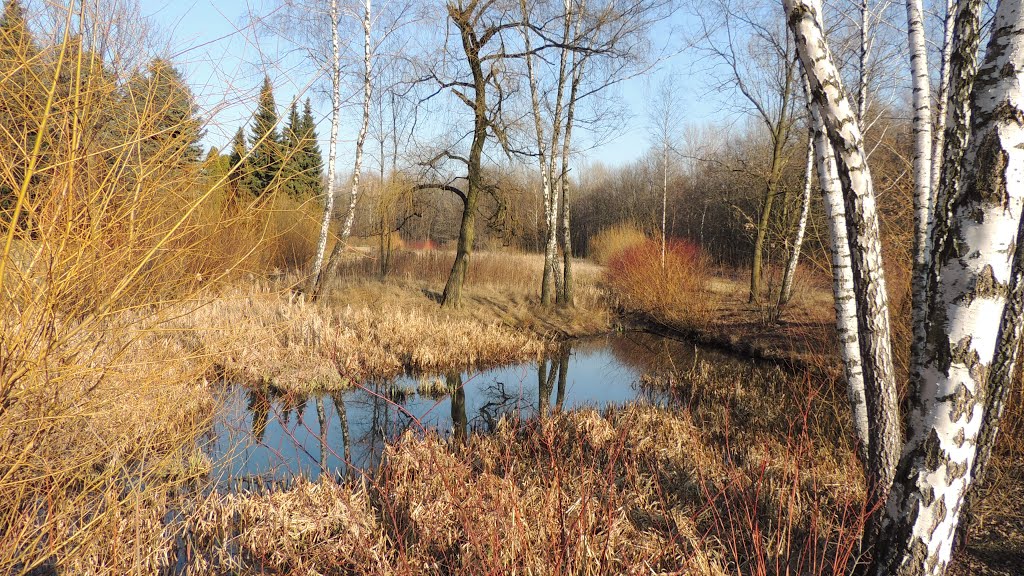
point(842, 283)
point(839, 118)
point(971, 318)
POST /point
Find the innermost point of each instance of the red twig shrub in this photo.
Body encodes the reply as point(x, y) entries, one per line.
point(675, 293)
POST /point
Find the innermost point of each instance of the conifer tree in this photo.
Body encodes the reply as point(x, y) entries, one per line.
point(239, 179)
point(265, 161)
point(292, 176)
point(313, 161)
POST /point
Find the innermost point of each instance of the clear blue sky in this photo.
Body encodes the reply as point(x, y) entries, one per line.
point(224, 59)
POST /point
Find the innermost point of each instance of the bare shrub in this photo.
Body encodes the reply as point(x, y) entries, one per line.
point(612, 242)
point(676, 293)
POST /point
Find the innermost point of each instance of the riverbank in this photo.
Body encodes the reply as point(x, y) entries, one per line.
point(737, 473)
point(264, 335)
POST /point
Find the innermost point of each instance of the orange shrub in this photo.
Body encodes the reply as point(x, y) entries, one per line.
point(611, 242)
point(675, 294)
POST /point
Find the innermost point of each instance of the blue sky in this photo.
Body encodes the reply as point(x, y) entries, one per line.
point(224, 59)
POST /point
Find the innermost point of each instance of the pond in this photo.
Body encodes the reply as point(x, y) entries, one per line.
point(262, 437)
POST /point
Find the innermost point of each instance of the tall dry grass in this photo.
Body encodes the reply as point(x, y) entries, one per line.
point(738, 477)
point(111, 230)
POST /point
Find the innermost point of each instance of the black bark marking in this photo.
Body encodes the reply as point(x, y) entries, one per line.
point(955, 471)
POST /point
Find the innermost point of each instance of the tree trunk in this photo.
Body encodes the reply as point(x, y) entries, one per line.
point(332, 151)
point(842, 284)
point(941, 98)
point(550, 200)
point(664, 202)
point(805, 206)
point(963, 68)
point(865, 244)
point(972, 284)
point(770, 192)
point(346, 229)
point(923, 202)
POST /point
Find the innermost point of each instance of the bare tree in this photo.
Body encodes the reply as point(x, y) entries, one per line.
point(332, 148)
point(665, 117)
point(759, 63)
point(346, 229)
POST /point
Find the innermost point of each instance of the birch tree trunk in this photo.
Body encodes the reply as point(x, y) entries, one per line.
point(805, 206)
point(972, 285)
point(864, 239)
point(842, 283)
point(550, 200)
point(332, 150)
point(941, 98)
point(923, 202)
point(664, 201)
point(565, 296)
point(963, 68)
point(350, 216)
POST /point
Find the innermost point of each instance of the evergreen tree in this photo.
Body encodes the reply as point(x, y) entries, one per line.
point(239, 179)
point(265, 158)
point(313, 161)
point(292, 151)
point(164, 107)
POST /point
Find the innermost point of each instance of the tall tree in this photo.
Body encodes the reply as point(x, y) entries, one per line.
point(315, 272)
point(265, 161)
point(973, 307)
point(346, 227)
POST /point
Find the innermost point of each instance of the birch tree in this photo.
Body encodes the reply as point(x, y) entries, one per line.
point(973, 273)
point(871, 298)
point(346, 228)
point(664, 119)
point(786, 292)
point(334, 15)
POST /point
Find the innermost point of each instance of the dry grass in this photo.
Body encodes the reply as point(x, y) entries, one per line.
point(712, 487)
point(265, 336)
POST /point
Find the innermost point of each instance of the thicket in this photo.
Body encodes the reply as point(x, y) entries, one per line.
point(115, 226)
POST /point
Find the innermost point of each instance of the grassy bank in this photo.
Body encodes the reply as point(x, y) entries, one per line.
point(263, 334)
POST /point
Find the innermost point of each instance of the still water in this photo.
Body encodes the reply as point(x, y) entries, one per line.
point(261, 436)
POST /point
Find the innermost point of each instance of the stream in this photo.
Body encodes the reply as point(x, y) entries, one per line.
point(260, 437)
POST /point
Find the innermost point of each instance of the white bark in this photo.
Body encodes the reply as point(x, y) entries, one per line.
point(865, 55)
point(350, 216)
point(842, 281)
point(805, 204)
point(972, 283)
point(864, 239)
point(923, 205)
point(664, 201)
point(940, 98)
point(963, 67)
point(550, 200)
point(332, 148)
point(346, 230)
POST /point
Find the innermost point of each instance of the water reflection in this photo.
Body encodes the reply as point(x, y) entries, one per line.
point(268, 436)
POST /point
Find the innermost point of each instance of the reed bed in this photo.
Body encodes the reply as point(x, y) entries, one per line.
point(264, 337)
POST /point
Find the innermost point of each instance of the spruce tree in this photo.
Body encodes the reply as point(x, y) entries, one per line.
point(238, 181)
point(292, 175)
point(165, 106)
point(313, 161)
point(264, 163)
